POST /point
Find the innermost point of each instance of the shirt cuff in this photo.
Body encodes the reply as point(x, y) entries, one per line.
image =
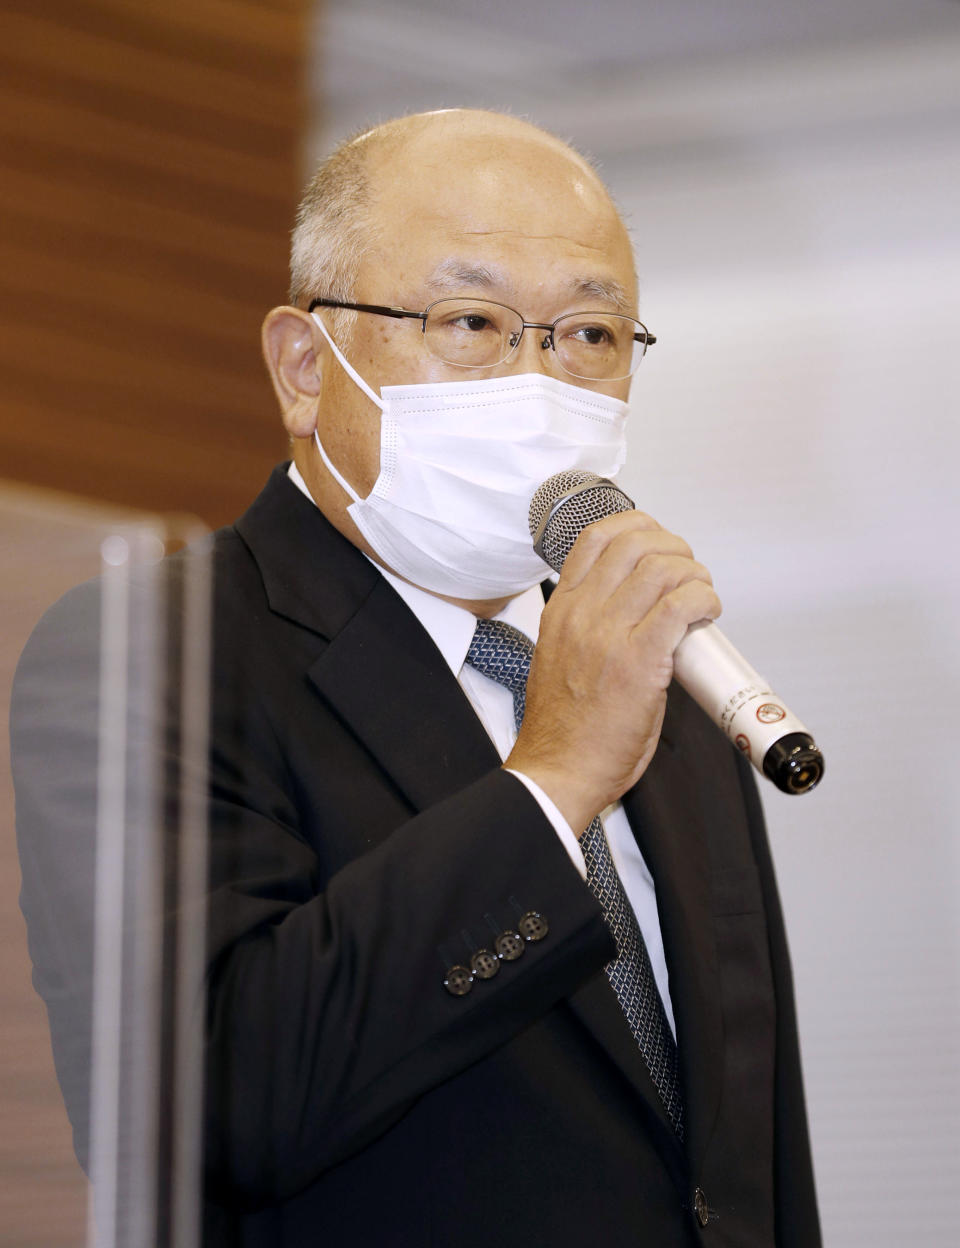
point(560, 825)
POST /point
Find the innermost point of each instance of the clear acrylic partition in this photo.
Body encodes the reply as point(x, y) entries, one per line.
point(108, 728)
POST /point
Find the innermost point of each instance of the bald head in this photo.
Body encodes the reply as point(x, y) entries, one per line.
point(427, 166)
point(476, 134)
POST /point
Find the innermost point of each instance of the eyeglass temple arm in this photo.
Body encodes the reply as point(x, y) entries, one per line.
point(379, 309)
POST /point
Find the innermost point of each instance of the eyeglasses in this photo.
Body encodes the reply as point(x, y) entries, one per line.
point(477, 333)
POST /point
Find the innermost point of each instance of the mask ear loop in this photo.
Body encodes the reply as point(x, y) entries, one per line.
point(358, 380)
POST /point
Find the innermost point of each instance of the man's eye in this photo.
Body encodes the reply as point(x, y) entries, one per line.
point(592, 335)
point(474, 321)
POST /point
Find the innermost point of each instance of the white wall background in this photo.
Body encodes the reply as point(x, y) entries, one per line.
point(792, 179)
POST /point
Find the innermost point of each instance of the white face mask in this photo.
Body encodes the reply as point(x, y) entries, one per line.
point(459, 464)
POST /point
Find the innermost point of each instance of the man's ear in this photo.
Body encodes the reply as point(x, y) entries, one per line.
point(293, 349)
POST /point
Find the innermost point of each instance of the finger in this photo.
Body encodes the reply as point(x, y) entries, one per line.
point(627, 553)
point(658, 559)
point(665, 625)
point(653, 577)
point(595, 539)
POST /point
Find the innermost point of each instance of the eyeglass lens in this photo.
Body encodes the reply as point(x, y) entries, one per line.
point(477, 334)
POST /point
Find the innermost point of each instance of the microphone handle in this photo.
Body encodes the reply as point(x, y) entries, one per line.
point(741, 703)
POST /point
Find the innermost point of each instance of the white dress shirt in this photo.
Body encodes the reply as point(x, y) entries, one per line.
point(451, 629)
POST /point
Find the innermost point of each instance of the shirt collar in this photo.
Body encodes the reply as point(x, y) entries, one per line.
point(451, 628)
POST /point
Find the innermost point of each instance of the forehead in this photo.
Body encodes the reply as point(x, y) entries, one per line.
point(518, 216)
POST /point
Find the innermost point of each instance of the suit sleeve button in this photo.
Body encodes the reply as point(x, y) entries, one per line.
point(484, 964)
point(700, 1207)
point(509, 946)
point(458, 982)
point(533, 926)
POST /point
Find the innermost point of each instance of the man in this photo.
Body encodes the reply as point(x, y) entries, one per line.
point(412, 1039)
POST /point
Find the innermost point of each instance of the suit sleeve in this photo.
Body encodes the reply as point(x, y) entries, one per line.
point(326, 1011)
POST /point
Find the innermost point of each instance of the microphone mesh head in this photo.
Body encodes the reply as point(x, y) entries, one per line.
point(564, 505)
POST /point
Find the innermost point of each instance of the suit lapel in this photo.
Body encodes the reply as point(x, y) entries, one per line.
point(408, 709)
point(379, 670)
point(668, 817)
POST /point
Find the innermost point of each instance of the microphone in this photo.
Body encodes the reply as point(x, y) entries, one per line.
point(718, 678)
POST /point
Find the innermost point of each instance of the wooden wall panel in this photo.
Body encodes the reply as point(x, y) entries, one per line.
point(149, 165)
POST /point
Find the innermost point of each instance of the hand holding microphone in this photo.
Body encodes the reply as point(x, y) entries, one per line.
point(598, 682)
point(705, 663)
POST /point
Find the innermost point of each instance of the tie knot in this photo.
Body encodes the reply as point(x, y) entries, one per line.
point(503, 653)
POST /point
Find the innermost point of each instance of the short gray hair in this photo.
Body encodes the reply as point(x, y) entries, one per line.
point(333, 229)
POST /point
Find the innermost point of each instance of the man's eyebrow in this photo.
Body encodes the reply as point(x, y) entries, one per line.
point(604, 288)
point(452, 274)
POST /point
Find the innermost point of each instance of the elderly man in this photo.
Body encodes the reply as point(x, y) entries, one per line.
point(490, 958)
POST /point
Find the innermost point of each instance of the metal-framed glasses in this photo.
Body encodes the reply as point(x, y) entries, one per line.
point(478, 333)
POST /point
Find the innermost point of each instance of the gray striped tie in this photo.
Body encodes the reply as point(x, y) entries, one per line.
point(503, 653)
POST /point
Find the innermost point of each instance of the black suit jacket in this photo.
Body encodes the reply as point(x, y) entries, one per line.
point(364, 838)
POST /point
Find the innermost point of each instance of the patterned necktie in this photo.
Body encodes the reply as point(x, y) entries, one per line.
point(503, 653)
